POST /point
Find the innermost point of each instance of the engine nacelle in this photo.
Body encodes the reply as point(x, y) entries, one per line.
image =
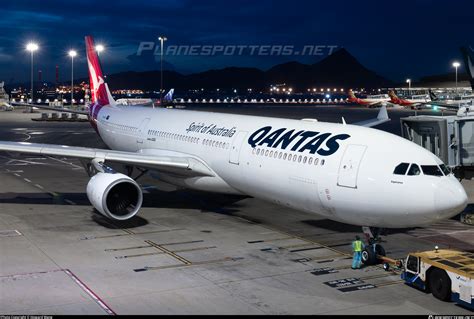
point(115, 195)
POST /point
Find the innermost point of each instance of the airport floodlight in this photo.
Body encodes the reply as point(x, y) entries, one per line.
point(72, 54)
point(408, 81)
point(161, 39)
point(32, 47)
point(456, 65)
point(99, 48)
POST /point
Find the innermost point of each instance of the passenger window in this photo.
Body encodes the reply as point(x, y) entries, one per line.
point(316, 161)
point(310, 161)
point(284, 157)
point(401, 169)
point(412, 264)
point(289, 157)
point(322, 162)
point(432, 170)
point(258, 151)
point(414, 170)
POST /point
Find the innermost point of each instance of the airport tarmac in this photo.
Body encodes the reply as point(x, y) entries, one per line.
point(189, 252)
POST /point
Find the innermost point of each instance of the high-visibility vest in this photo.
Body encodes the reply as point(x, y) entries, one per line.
point(357, 245)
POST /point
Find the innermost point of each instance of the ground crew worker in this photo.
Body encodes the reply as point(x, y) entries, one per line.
point(357, 247)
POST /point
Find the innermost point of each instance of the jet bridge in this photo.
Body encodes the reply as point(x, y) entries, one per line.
point(451, 138)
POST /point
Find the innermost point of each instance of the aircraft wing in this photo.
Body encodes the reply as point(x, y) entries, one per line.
point(184, 165)
point(382, 117)
point(51, 108)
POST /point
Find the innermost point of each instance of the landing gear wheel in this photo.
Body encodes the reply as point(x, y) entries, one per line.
point(369, 254)
point(440, 284)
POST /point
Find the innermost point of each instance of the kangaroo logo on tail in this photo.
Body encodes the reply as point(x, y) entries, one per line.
point(100, 94)
point(352, 97)
point(393, 97)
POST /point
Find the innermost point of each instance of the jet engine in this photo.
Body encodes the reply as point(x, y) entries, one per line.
point(115, 195)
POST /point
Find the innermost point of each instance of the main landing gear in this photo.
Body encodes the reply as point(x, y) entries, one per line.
point(373, 249)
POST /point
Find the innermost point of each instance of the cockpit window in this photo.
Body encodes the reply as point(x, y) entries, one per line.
point(432, 170)
point(414, 170)
point(401, 169)
point(445, 169)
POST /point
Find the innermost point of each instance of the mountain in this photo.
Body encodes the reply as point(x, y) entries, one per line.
point(340, 69)
point(233, 77)
point(292, 73)
point(343, 69)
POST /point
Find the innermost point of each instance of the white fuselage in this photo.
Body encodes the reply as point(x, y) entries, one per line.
point(355, 184)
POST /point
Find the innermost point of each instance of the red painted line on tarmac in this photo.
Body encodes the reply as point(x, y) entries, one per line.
point(76, 279)
point(91, 293)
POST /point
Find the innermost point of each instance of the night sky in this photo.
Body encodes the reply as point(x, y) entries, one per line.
point(397, 39)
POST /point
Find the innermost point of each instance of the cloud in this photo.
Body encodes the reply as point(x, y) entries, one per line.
point(5, 57)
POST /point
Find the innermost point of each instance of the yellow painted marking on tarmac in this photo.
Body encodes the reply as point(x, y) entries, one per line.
point(306, 240)
point(169, 252)
point(215, 261)
point(162, 252)
point(155, 231)
point(128, 233)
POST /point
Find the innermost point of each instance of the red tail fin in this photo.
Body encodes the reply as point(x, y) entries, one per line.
point(352, 98)
point(393, 97)
point(99, 91)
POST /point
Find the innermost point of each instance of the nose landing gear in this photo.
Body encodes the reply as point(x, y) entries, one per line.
point(373, 249)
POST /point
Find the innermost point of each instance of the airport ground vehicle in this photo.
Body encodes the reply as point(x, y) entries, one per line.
point(447, 274)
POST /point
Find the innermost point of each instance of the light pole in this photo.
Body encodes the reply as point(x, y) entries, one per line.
point(32, 47)
point(162, 39)
point(72, 54)
point(456, 65)
point(409, 86)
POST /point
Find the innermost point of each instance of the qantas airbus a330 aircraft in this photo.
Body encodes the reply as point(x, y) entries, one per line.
point(347, 173)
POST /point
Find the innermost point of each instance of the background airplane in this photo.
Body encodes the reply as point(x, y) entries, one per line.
point(416, 101)
point(369, 101)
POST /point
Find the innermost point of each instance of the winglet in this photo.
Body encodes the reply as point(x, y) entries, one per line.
point(343, 121)
point(382, 117)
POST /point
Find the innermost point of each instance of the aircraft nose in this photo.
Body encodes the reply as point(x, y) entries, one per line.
point(450, 198)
